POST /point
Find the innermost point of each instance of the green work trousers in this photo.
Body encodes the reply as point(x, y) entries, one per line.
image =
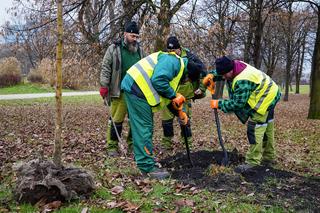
point(141, 121)
point(118, 110)
point(260, 134)
point(185, 89)
point(167, 125)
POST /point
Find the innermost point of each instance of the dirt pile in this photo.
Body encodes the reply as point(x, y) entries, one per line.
point(265, 183)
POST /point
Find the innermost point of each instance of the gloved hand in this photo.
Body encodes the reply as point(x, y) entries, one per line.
point(214, 104)
point(104, 92)
point(209, 83)
point(178, 101)
point(183, 117)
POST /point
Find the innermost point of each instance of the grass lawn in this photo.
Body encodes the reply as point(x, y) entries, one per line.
point(87, 99)
point(304, 89)
point(25, 88)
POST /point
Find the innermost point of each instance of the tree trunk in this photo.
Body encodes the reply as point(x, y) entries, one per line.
point(58, 121)
point(258, 35)
point(164, 17)
point(314, 109)
point(163, 31)
point(248, 43)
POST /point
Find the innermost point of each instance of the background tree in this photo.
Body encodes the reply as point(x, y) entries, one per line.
point(164, 16)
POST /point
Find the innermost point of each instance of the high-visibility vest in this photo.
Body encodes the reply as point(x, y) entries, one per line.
point(261, 98)
point(142, 71)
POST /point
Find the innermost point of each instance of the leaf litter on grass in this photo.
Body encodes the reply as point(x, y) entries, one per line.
point(27, 132)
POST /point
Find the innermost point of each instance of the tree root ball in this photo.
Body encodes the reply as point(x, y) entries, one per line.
point(41, 180)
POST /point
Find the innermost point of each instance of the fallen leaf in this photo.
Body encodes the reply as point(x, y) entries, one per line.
point(111, 204)
point(84, 210)
point(131, 207)
point(51, 206)
point(185, 202)
point(251, 194)
point(117, 190)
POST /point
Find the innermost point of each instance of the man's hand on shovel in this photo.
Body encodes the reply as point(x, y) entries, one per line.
point(214, 104)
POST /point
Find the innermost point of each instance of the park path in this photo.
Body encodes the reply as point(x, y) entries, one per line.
point(44, 95)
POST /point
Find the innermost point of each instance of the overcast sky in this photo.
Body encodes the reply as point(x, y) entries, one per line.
point(4, 4)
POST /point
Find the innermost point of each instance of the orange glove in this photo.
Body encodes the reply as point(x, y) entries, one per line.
point(209, 83)
point(214, 104)
point(178, 101)
point(183, 117)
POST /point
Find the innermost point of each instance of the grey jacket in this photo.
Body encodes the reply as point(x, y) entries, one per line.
point(110, 75)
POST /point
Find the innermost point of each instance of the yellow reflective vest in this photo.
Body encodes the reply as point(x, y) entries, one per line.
point(261, 98)
point(142, 71)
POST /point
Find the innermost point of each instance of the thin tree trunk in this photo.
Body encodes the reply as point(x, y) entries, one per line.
point(57, 137)
point(258, 36)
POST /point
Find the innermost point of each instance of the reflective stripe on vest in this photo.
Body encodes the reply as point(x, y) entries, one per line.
point(264, 94)
point(142, 71)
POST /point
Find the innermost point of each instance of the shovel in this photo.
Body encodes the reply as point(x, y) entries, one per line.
point(114, 125)
point(184, 130)
point(218, 92)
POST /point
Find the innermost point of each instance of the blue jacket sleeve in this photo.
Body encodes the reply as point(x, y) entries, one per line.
point(166, 69)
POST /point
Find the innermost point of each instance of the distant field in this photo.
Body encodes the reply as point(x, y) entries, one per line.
point(86, 99)
point(25, 88)
point(304, 89)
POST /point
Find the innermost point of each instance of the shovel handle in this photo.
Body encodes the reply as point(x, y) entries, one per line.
point(184, 129)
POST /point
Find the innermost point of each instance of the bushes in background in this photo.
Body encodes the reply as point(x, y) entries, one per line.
point(35, 77)
point(10, 72)
point(76, 74)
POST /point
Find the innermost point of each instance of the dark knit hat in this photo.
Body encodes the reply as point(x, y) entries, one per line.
point(224, 65)
point(173, 43)
point(132, 27)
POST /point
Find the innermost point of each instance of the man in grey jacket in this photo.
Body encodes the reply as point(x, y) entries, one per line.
point(119, 57)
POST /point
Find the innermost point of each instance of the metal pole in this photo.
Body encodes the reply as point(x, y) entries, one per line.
point(113, 124)
point(184, 129)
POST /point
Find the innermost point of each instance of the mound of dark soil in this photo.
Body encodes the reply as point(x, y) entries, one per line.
point(43, 180)
point(267, 184)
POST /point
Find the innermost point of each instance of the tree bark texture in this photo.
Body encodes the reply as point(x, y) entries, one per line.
point(57, 155)
point(314, 109)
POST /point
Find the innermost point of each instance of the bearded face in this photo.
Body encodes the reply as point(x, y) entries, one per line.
point(130, 39)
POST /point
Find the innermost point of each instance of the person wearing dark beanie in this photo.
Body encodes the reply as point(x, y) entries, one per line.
point(188, 87)
point(173, 43)
point(132, 27)
point(224, 65)
point(119, 57)
point(253, 97)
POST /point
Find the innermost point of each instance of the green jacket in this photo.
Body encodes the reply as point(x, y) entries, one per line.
point(165, 70)
point(191, 79)
point(110, 75)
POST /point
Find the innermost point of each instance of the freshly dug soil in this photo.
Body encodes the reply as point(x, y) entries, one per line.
point(264, 183)
point(43, 180)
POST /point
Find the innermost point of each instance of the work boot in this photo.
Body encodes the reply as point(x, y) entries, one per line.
point(268, 163)
point(158, 174)
point(243, 168)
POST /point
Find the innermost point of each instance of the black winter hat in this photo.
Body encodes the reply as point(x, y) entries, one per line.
point(132, 27)
point(173, 43)
point(224, 65)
